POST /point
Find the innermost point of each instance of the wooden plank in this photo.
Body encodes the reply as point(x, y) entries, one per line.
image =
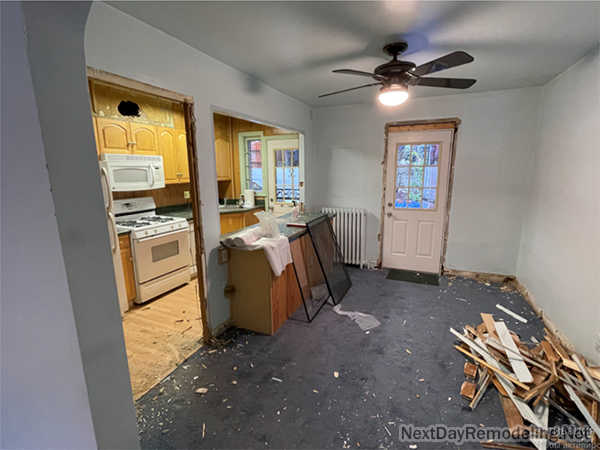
point(514, 315)
point(470, 370)
point(594, 411)
point(586, 375)
point(511, 413)
point(583, 410)
point(468, 390)
point(570, 364)
point(492, 368)
point(483, 385)
point(514, 356)
point(488, 321)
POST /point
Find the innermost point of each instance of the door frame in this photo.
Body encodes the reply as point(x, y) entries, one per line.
point(269, 160)
point(420, 125)
point(190, 129)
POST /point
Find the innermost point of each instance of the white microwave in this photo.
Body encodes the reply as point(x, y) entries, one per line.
point(133, 172)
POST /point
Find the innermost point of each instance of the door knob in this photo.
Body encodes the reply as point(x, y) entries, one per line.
point(389, 214)
point(390, 204)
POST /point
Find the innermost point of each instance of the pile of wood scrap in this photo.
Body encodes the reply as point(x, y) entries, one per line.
point(530, 379)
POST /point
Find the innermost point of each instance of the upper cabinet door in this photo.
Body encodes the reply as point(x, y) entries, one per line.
point(183, 168)
point(144, 138)
point(167, 144)
point(113, 136)
point(223, 147)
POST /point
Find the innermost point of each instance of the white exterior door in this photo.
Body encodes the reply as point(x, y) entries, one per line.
point(284, 174)
point(417, 177)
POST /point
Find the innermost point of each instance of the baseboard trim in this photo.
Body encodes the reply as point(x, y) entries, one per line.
point(514, 282)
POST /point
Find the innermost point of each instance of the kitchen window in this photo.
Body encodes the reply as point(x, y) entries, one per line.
point(253, 162)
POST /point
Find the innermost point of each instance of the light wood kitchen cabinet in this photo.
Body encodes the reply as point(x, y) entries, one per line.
point(173, 148)
point(121, 136)
point(231, 222)
point(223, 147)
point(143, 139)
point(114, 136)
point(167, 144)
point(127, 263)
point(183, 168)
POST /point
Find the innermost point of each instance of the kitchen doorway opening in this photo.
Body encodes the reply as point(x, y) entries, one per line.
point(148, 167)
point(417, 186)
point(259, 167)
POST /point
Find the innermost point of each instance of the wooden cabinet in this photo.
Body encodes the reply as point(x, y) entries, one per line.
point(167, 139)
point(127, 262)
point(172, 145)
point(260, 301)
point(223, 147)
point(231, 222)
point(183, 168)
point(114, 136)
point(121, 136)
point(143, 139)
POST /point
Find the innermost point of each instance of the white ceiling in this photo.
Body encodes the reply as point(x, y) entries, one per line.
point(293, 46)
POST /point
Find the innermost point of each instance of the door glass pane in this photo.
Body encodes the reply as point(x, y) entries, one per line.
point(415, 198)
point(416, 176)
point(166, 250)
point(429, 198)
point(418, 155)
point(431, 175)
point(433, 154)
point(287, 172)
point(402, 176)
point(403, 155)
point(401, 198)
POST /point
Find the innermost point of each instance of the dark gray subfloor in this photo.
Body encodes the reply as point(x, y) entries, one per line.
point(405, 371)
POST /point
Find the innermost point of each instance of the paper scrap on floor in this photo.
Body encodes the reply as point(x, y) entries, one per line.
point(364, 321)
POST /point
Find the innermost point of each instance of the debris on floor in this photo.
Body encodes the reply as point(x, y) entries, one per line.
point(530, 380)
point(364, 321)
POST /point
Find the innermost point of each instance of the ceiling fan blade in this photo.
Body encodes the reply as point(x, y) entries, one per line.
point(350, 89)
point(454, 83)
point(445, 62)
point(359, 73)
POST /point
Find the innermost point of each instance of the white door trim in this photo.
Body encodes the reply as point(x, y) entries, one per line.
point(421, 125)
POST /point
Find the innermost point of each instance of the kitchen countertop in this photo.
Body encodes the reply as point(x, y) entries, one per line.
point(292, 233)
point(237, 209)
point(185, 211)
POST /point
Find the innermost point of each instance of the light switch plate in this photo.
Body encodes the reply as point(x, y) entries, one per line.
point(186, 194)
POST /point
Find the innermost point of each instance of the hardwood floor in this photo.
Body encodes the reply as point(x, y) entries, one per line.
point(160, 334)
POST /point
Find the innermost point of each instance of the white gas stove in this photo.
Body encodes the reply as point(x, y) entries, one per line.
point(160, 245)
point(138, 215)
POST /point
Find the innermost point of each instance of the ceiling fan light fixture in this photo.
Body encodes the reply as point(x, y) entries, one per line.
point(393, 95)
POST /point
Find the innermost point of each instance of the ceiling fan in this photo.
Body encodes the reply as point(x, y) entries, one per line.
point(396, 76)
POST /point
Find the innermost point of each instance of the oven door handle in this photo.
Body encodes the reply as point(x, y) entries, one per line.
point(183, 230)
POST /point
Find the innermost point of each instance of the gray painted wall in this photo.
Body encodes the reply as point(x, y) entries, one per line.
point(43, 396)
point(490, 180)
point(559, 258)
point(149, 55)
